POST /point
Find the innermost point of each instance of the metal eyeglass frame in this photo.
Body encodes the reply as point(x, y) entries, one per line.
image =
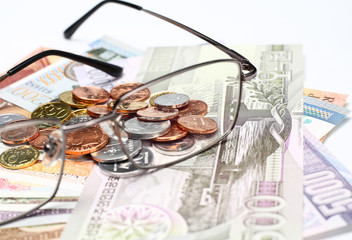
point(247, 72)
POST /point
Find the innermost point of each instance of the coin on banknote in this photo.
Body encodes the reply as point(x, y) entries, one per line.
point(156, 114)
point(151, 100)
point(19, 157)
point(10, 117)
point(126, 168)
point(90, 95)
point(85, 140)
point(137, 129)
point(175, 148)
point(195, 107)
point(67, 98)
point(197, 124)
point(171, 100)
point(98, 110)
point(113, 151)
point(130, 107)
point(58, 110)
point(20, 135)
point(174, 134)
point(121, 89)
point(42, 138)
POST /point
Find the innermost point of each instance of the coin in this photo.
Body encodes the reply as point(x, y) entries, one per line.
point(172, 100)
point(174, 134)
point(85, 140)
point(19, 157)
point(119, 90)
point(137, 129)
point(10, 117)
point(58, 110)
point(90, 95)
point(151, 100)
point(20, 135)
point(156, 114)
point(130, 107)
point(42, 138)
point(78, 112)
point(77, 120)
point(113, 151)
point(79, 158)
point(98, 110)
point(126, 168)
point(67, 98)
point(178, 147)
point(197, 124)
point(195, 107)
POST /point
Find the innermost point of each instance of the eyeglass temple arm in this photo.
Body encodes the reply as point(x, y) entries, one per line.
point(110, 69)
point(246, 65)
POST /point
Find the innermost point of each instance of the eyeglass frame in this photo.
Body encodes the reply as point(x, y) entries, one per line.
point(116, 71)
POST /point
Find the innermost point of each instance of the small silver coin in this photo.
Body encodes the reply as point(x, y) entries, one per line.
point(113, 151)
point(137, 129)
point(10, 117)
point(126, 168)
point(172, 100)
point(176, 148)
point(77, 120)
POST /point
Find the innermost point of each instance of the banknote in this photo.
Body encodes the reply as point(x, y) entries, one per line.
point(48, 83)
point(248, 187)
point(7, 107)
point(331, 97)
point(34, 67)
point(47, 231)
point(320, 117)
point(327, 191)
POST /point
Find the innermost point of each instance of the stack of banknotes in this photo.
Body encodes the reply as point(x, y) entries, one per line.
point(273, 179)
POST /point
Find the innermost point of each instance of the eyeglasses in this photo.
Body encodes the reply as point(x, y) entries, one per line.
point(134, 138)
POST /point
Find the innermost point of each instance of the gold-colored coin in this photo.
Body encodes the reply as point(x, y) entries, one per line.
point(19, 157)
point(58, 110)
point(130, 107)
point(66, 97)
point(151, 100)
point(79, 112)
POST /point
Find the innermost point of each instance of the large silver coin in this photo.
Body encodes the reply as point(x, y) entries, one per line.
point(113, 151)
point(137, 129)
point(176, 148)
point(10, 117)
point(172, 100)
point(126, 168)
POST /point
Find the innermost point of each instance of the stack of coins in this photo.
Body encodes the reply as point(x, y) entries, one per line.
point(167, 121)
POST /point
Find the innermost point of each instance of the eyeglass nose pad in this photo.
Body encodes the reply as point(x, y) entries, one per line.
point(53, 149)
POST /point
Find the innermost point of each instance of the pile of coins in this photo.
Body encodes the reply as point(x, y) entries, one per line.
point(167, 118)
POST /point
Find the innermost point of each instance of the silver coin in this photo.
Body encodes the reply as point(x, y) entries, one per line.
point(172, 100)
point(113, 151)
point(126, 168)
point(176, 148)
point(137, 129)
point(77, 120)
point(10, 117)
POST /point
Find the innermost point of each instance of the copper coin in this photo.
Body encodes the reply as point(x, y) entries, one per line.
point(197, 124)
point(98, 110)
point(42, 138)
point(85, 140)
point(175, 133)
point(67, 98)
point(119, 90)
point(130, 107)
point(195, 107)
point(90, 94)
point(176, 148)
point(151, 100)
point(156, 114)
point(20, 135)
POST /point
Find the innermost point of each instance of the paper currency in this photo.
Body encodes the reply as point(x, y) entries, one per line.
point(331, 97)
point(327, 191)
point(47, 84)
point(48, 232)
point(320, 117)
point(248, 187)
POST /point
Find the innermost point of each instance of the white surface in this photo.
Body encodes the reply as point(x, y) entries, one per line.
point(322, 27)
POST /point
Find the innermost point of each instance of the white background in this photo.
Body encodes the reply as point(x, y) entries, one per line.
point(324, 28)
